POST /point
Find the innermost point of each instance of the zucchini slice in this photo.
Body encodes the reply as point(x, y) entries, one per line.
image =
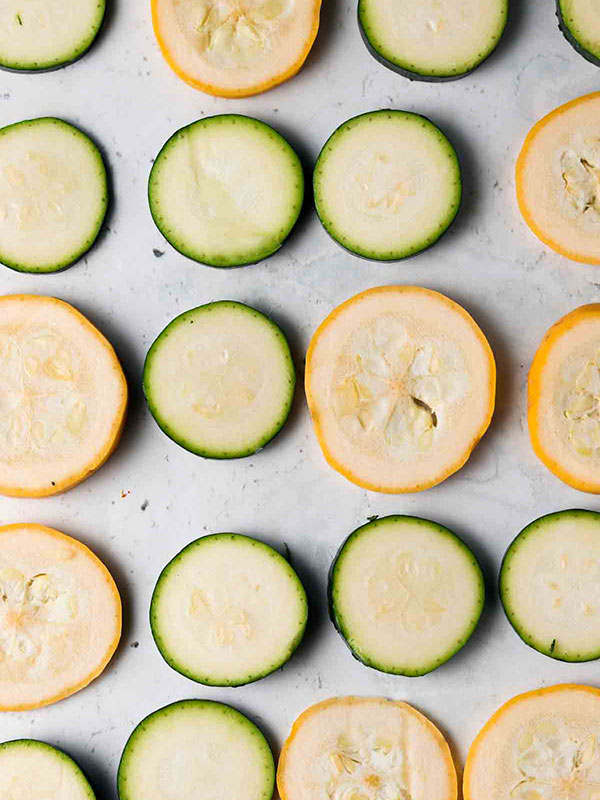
point(53, 195)
point(400, 383)
point(63, 397)
point(219, 380)
point(228, 610)
point(387, 185)
point(38, 35)
point(235, 48)
point(226, 191)
point(541, 744)
point(558, 180)
point(365, 747)
point(579, 20)
point(405, 594)
point(564, 399)
point(429, 40)
point(196, 748)
point(60, 617)
point(29, 767)
point(549, 585)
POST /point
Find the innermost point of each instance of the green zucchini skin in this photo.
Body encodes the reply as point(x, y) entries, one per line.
point(572, 40)
point(57, 753)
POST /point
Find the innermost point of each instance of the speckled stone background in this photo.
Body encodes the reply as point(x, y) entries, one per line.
point(152, 497)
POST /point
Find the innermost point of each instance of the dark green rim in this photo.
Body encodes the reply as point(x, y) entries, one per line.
point(17, 744)
point(567, 27)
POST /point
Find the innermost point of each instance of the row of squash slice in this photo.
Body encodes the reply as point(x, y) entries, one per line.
point(541, 744)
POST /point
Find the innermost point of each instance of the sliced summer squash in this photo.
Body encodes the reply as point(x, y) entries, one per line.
point(219, 380)
point(63, 396)
point(432, 40)
point(549, 585)
point(235, 48)
point(60, 617)
point(194, 749)
point(558, 180)
point(405, 594)
point(540, 745)
point(53, 195)
point(387, 185)
point(564, 399)
point(228, 610)
point(226, 191)
point(368, 748)
point(579, 21)
point(32, 769)
point(38, 35)
point(400, 382)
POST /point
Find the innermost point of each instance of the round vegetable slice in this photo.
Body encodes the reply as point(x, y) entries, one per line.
point(365, 747)
point(579, 21)
point(432, 41)
point(235, 48)
point(400, 382)
point(564, 399)
point(60, 617)
point(558, 184)
point(28, 766)
point(387, 185)
point(549, 585)
point(219, 380)
point(53, 195)
point(46, 34)
point(541, 744)
point(226, 191)
point(405, 594)
point(196, 748)
point(63, 396)
point(228, 610)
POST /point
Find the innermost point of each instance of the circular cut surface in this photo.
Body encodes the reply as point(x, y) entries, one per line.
point(53, 195)
point(63, 396)
point(549, 585)
point(365, 747)
point(28, 766)
point(564, 399)
point(60, 616)
point(196, 748)
point(220, 380)
point(543, 744)
point(228, 610)
point(400, 382)
point(581, 20)
point(387, 184)
point(558, 179)
point(406, 594)
point(235, 48)
point(226, 190)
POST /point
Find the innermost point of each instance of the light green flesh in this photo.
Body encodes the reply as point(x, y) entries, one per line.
point(220, 380)
point(226, 191)
point(28, 767)
point(228, 610)
point(549, 585)
point(582, 19)
point(387, 185)
point(53, 195)
point(406, 594)
point(196, 749)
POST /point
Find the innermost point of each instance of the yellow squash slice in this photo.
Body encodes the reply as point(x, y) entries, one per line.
point(564, 399)
point(63, 397)
point(60, 616)
point(400, 382)
point(542, 745)
point(235, 48)
point(365, 748)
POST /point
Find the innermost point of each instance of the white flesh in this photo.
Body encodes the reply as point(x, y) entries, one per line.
point(62, 395)
point(541, 747)
point(60, 616)
point(229, 610)
point(583, 18)
point(31, 770)
point(52, 194)
point(406, 595)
